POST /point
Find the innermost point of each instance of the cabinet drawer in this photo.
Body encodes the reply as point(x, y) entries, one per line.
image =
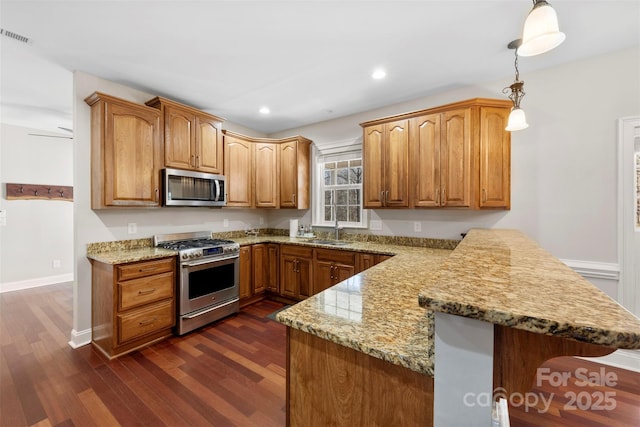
point(336, 256)
point(145, 268)
point(145, 290)
point(297, 251)
point(138, 323)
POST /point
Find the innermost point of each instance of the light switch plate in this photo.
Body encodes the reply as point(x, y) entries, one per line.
point(417, 226)
point(132, 228)
point(225, 222)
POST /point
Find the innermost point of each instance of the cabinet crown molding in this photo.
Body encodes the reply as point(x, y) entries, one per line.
point(159, 101)
point(268, 140)
point(473, 102)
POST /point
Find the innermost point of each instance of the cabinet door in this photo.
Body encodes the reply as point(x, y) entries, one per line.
point(266, 161)
point(289, 175)
point(425, 135)
point(237, 160)
point(305, 278)
point(288, 275)
point(259, 259)
point(455, 158)
point(342, 272)
point(245, 272)
point(179, 138)
point(323, 275)
point(396, 164)
point(373, 165)
point(209, 152)
point(273, 260)
point(495, 159)
point(131, 163)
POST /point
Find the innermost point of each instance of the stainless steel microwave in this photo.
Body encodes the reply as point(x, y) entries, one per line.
point(190, 188)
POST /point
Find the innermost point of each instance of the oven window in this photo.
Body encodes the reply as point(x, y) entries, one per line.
point(210, 280)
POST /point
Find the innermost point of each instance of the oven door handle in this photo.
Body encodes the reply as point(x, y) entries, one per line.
point(200, 313)
point(208, 261)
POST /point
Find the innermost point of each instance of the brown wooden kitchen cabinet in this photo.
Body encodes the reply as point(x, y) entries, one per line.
point(296, 272)
point(126, 153)
point(332, 267)
point(132, 304)
point(460, 156)
point(368, 260)
point(441, 145)
point(386, 164)
point(273, 260)
point(294, 172)
point(266, 172)
point(192, 138)
point(246, 275)
point(238, 160)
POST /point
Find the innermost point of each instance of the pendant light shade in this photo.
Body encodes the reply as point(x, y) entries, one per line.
point(541, 32)
point(517, 120)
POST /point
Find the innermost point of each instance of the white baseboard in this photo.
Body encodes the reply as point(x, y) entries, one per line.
point(595, 270)
point(34, 283)
point(625, 359)
point(78, 339)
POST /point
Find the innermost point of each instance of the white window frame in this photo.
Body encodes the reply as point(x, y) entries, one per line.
point(332, 152)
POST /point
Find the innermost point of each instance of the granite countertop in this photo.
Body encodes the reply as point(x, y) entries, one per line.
point(376, 312)
point(503, 277)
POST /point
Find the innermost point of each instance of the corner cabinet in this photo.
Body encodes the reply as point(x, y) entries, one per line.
point(265, 172)
point(126, 153)
point(192, 138)
point(295, 155)
point(457, 155)
point(132, 304)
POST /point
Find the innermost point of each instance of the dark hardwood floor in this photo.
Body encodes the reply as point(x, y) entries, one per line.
point(231, 373)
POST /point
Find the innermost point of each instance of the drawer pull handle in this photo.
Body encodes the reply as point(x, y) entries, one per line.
point(147, 292)
point(142, 270)
point(148, 322)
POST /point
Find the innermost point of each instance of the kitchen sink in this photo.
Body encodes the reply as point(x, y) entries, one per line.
point(329, 242)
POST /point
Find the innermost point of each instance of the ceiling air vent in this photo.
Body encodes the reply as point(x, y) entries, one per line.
point(15, 36)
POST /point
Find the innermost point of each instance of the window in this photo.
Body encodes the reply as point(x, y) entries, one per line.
point(340, 193)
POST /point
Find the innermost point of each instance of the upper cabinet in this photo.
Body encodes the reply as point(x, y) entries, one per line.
point(294, 172)
point(457, 155)
point(266, 173)
point(386, 165)
point(192, 138)
point(126, 153)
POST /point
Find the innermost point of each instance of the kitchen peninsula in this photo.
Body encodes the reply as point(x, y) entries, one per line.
point(362, 352)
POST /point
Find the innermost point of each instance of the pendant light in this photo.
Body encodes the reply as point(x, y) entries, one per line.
point(541, 32)
point(517, 118)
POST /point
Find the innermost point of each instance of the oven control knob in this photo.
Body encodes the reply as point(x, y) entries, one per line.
point(198, 255)
point(185, 256)
point(192, 256)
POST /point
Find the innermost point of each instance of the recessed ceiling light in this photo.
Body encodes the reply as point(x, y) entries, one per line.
point(264, 110)
point(379, 74)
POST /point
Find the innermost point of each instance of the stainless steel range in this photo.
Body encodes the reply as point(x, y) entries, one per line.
point(208, 280)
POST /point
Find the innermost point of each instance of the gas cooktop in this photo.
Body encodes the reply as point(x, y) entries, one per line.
point(198, 244)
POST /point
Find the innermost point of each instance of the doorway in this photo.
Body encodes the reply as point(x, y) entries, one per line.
point(629, 213)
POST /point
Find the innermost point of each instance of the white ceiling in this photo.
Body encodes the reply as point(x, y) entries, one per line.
point(308, 61)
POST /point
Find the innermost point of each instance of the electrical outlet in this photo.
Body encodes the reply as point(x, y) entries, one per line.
point(417, 227)
point(132, 228)
point(55, 263)
point(261, 220)
point(376, 224)
point(225, 222)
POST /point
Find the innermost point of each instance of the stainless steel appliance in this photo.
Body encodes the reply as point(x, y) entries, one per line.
point(190, 188)
point(208, 280)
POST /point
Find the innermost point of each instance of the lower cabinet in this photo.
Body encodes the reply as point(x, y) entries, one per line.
point(296, 272)
point(259, 271)
point(332, 267)
point(133, 304)
point(368, 260)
